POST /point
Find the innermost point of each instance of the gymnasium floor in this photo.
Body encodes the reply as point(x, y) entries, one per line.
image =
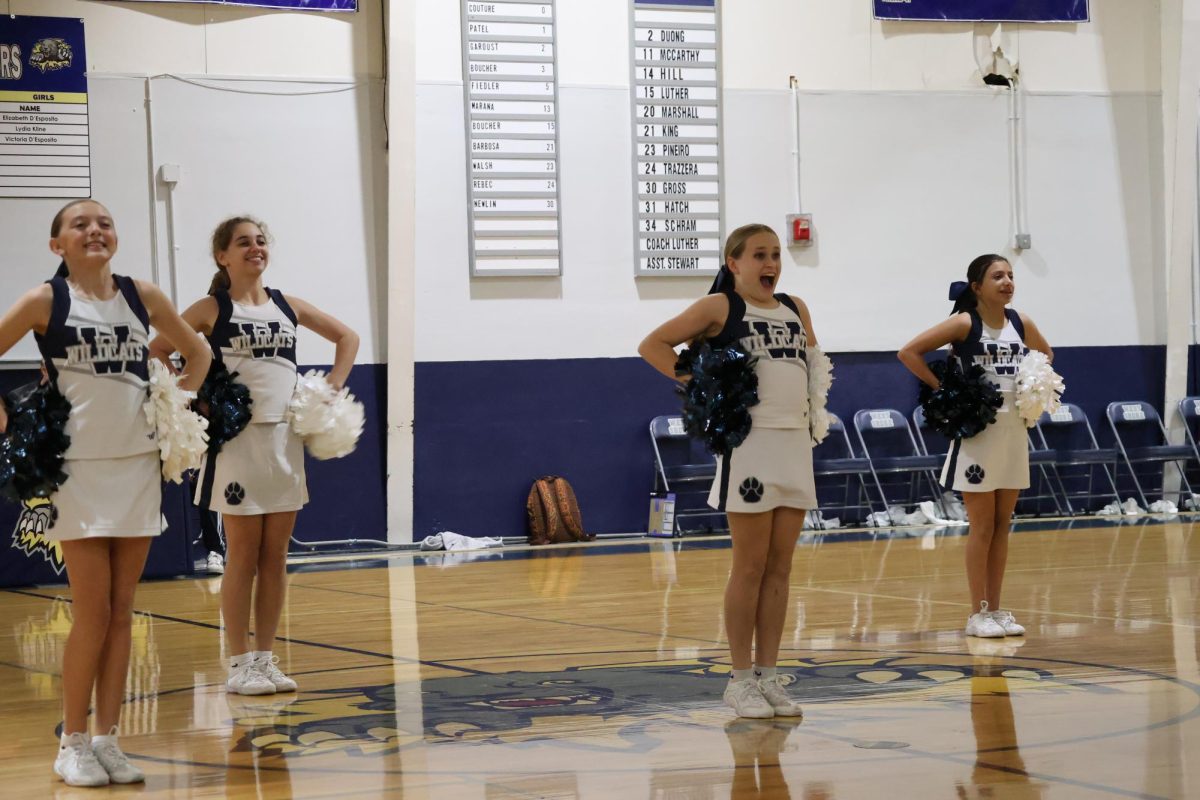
point(596, 671)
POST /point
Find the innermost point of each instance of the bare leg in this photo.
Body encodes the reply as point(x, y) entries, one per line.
point(243, 542)
point(773, 595)
point(272, 577)
point(88, 573)
point(997, 560)
point(128, 559)
point(981, 514)
point(751, 534)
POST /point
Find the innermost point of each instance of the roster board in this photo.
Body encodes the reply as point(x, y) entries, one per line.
point(675, 65)
point(45, 145)
point(510, 78)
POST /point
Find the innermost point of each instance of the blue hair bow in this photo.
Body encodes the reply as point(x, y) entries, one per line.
point(956, 290)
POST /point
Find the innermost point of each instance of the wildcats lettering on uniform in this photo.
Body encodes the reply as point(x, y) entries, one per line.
point(107, 353)
point(775, 340)
point(261, 339)
point(1005, 359)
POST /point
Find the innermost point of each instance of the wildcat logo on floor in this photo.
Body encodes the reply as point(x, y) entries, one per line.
point(634, 704)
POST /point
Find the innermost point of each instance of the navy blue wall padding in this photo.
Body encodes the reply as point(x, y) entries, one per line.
point(486, 429)
point(348, 496)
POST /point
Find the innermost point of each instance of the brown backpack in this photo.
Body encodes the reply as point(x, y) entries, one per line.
point(553, 513)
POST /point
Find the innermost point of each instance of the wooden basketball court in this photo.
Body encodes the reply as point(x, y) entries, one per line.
point(597, 671)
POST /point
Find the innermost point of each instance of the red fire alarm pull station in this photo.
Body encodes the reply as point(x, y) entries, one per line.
point(799, 230)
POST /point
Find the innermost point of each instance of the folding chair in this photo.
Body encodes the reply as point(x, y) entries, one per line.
point(932, 443)
point(897, 453)
point(684, 467)
point(834, 457)
point(1068, 435)
point(1045, 461)
point(1136, 416)
point(1189, 410)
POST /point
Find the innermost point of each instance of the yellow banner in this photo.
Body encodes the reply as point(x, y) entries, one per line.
point(43, 97)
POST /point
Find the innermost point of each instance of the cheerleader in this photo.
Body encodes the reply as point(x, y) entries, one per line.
point(991, 468)
point(256, 481)
point(766, 484)
point(92, 328)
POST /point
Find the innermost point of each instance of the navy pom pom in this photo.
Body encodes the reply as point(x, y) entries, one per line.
point(964, 404)
point(227, 405)
point(718, 398)
point(33, 447)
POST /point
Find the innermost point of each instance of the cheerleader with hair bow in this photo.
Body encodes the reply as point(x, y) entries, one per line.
point(988, 460)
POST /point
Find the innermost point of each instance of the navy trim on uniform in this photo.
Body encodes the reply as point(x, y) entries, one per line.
point(790, 303)
point(737, 312)
point(1015, 319)
point(964, 349)
point(129, 290)
point(277, 296)
point(206, 486)
point(952, 468)
point(50, 345)
point(220, 333)
point(723, 495)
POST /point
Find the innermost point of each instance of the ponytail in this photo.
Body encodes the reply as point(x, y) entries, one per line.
point(62, 271)
point(220, 281)
point(961, 293)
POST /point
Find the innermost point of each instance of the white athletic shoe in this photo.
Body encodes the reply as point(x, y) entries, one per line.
point(215, 563)
point(1006, 621)
point(981, 624)
point(268, 665)
point(249, 678)
point(747, 700)
point(115, 762)
point(76, 763)
point(777, 697)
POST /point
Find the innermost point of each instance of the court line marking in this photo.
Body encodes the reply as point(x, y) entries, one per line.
point(289, 640)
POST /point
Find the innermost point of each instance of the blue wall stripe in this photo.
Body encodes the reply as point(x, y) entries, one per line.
point(486, 429)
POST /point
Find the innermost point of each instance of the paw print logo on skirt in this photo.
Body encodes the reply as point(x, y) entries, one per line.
point(751, 490)
point(234, 494)
point(975, 474)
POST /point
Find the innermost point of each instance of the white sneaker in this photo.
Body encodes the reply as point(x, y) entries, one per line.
point(115, 762)
point(248, 678)
point(76, 763)
point(215, 563)
point(777, 697)
point(1010, 625)
point(747, 700)
point(268, 666)
point(981, 623)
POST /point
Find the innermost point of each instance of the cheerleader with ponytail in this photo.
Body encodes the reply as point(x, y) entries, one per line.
point(989, 456)
point(255, 478)
point(748, 391)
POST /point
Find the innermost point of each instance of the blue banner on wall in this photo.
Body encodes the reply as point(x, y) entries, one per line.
point(299, 5)
point(984, 10)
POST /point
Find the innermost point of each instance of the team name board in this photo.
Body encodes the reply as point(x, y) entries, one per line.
point(511, 89)
point(676, 79)
point(44, 143)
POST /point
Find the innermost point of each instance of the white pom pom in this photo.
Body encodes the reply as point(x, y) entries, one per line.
point(182, 440)
point(1038, 388)
point(820, 378)
point(328, 421)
